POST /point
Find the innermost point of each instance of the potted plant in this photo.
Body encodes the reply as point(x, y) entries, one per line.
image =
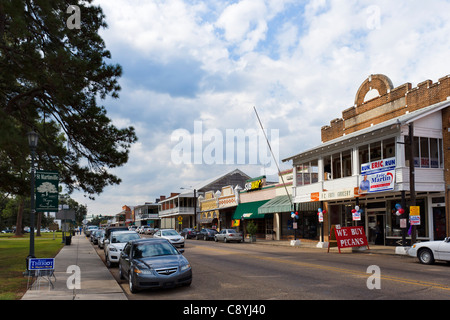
point(251, 229)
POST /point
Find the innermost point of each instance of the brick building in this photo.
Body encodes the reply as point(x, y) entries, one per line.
point(371, 143)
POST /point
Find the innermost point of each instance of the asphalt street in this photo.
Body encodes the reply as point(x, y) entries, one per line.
point(244, 271)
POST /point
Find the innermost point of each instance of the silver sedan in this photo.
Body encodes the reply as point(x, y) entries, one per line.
point(227, 235)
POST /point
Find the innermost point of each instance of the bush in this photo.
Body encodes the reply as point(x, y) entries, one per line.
point(251, 228)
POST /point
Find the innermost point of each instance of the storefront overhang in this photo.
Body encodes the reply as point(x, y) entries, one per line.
point(249, 210)
point(277, 205)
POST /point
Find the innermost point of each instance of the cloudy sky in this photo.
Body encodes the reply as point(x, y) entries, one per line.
point(193, 71)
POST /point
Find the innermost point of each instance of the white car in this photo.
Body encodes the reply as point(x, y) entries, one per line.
point(429, 251)
point(115, 244)
point(172, 235)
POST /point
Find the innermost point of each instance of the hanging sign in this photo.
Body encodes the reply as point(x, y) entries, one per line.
point(349, 237)
point(47, 191)
point(414, 215)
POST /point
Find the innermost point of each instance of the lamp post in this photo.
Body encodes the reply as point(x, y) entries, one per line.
point(32, 143)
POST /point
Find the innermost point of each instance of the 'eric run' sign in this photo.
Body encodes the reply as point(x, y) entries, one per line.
point(349, 237)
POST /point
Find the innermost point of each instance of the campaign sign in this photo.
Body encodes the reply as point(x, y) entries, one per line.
point(377, 181)
point(41, 264)
point(349, 237)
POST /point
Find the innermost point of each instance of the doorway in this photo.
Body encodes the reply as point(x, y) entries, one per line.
point(376, 228)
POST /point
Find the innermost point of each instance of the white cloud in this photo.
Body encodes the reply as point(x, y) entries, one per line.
point(300, 63)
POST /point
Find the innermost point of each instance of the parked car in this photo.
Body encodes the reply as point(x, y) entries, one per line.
point(153, 263)
point(429, 251)
point(206, 234)
point(115, 243)
point(97, 235)
point(189, 233)
point(89, 229)
point(101, 241)
point(149, 230)
point(227, 235)
point(172, 235)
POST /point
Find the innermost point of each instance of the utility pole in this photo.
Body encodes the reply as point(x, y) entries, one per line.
point(412, 188)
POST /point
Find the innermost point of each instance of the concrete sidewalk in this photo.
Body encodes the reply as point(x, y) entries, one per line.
point(97, 282)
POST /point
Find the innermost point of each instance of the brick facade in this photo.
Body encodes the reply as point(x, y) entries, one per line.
point(388, 103)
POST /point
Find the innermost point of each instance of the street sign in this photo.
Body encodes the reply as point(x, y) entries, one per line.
point(47, 191)
point(41, 264)
point(180, 218)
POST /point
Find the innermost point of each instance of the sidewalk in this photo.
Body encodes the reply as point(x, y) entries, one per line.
point(97, 282)
point(374, 249)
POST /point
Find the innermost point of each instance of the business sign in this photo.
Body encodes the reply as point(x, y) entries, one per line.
point(47, 191)
point(349, 237)
point(41, 264)
point(379, 165)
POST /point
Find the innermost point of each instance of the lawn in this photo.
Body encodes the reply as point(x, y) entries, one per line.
point(13, 252)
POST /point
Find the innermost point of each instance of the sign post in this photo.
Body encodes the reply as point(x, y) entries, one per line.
point(47, 191)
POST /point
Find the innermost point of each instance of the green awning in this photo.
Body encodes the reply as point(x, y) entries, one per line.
point(276, 205)
point(249, 210)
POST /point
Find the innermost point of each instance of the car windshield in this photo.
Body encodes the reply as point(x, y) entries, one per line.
point(153, 250)
point(125, 237)
point(169, 233)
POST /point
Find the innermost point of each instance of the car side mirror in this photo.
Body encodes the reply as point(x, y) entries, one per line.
point(181, 251)
point(106, 241)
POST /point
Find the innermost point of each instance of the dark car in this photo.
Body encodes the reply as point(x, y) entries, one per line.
point(206, 234)
point(188, 233)
point(153, 263)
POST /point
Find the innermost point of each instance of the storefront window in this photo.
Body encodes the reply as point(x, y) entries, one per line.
point(363, 155)
point(337, 170)
point(434, 153)
point(393, 221)
point(389, 148)
point(347, 163)
point(375, 151)
point(327, 167)
point(314, 171)
point(424, 153)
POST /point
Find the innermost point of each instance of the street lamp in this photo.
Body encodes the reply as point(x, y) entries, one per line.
point(32, 143)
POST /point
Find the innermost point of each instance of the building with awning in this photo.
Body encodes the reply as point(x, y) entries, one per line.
point(249, 210)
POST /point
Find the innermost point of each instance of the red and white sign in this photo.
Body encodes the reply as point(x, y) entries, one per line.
point(349, 237)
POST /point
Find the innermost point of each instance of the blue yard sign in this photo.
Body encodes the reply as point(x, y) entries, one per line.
point(41, 264)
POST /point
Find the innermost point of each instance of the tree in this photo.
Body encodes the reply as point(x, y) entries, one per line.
point(52, 80)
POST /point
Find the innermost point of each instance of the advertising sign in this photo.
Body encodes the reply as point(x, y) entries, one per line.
point(377, 176)
point(414, 215)
point(349, 237)
point(47, 191)
point(41, 264)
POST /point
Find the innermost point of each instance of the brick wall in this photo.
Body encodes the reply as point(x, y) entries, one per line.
point(391, 103)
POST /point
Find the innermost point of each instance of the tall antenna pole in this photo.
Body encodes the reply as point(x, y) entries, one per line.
point(273, 156)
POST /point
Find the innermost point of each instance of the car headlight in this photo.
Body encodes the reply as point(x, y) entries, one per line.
point(185, 267)
point(111, 248)
point(142, 269)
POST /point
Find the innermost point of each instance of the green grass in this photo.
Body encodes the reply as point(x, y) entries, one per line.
point(13, 253)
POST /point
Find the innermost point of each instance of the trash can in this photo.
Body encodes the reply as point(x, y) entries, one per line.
point(68, 240)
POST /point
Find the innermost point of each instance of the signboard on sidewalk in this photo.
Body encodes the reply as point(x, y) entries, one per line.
point(47, 191)
point(349, 237)
point(41, 264)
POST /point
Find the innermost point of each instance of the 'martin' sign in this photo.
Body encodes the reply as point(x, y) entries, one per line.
point(349, 237)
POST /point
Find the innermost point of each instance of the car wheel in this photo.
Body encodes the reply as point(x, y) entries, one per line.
point(133, 288)
point(108, 263)
point(225, 240)
point(425, 256)
point(215, 239)
point(121, 277)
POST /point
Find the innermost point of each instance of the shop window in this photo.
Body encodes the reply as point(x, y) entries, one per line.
point(389, 148)
point(299, 175)
point(375, 151)
point(347, 163)
point(327, 167)
point(363, 155)
point(434, 153)
point(424, 153)
point(314, 171)
point(336, 167)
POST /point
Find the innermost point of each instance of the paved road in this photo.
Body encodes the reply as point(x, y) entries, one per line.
point(251, 272)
